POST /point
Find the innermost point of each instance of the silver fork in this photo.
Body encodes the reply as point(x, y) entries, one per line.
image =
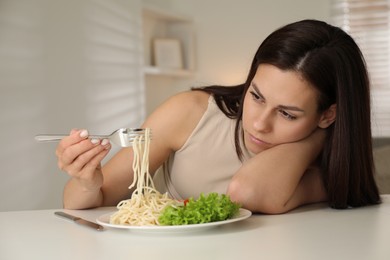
point(123, 137)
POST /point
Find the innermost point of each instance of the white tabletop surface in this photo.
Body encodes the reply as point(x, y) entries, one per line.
point(312, 232)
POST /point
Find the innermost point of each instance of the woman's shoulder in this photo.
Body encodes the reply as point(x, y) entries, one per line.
point(178, 116)
point(189, 104)
point(190, 98)
point(183, 102)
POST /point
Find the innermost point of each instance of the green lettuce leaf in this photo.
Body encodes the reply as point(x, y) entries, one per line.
point(210, 208)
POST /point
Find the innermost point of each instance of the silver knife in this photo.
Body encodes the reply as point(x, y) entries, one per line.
point(80, 221)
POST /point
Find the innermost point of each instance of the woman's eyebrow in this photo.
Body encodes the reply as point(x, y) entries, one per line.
point(257, 90)
point(283, 107)
point(291, 108)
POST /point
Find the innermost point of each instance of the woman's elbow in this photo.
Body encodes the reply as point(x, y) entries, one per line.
point(255, 198)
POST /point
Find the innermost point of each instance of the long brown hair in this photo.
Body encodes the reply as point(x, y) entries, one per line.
point(330, 60)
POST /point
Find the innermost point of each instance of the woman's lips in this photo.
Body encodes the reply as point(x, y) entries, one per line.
point(258, 142)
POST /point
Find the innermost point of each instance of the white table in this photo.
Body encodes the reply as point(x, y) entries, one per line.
point(312, 232)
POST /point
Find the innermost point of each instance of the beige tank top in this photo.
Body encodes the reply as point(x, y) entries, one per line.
point(206, 162)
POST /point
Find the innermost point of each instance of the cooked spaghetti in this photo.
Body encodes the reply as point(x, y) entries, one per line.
point(146, 203)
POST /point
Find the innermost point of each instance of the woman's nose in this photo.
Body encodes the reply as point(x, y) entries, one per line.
point(263, 122)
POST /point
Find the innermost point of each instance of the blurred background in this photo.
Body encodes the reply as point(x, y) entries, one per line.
point(92, 64)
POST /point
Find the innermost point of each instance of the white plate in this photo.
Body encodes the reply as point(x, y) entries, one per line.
point(104, 220)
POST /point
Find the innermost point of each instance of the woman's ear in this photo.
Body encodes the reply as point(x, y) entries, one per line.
point(328, 117)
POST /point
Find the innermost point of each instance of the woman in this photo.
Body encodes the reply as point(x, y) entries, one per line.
point(296, 132)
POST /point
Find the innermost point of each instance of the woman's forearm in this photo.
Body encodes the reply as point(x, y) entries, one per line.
point(268, 181)
point(310, 189)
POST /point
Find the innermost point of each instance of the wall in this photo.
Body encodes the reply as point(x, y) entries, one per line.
point(63, 64)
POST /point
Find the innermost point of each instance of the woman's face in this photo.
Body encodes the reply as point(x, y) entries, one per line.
point(279, 107)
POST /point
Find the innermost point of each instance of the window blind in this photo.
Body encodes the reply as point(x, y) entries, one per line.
point(114, 59)
point(63, 64)
point(367, 21)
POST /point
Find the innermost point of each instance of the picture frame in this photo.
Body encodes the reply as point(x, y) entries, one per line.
point(167, 53)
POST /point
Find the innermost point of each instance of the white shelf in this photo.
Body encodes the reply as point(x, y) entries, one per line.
point(153, 70)
point(160, 23)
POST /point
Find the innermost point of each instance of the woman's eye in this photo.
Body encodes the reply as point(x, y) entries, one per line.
point(255, 96)
point(287, 115)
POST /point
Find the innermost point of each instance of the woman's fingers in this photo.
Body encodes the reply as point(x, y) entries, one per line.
point(86, 156)
point(74, 137)
point(79, 149)
point(95, 163)
point(80, 158)
point(76, 151)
